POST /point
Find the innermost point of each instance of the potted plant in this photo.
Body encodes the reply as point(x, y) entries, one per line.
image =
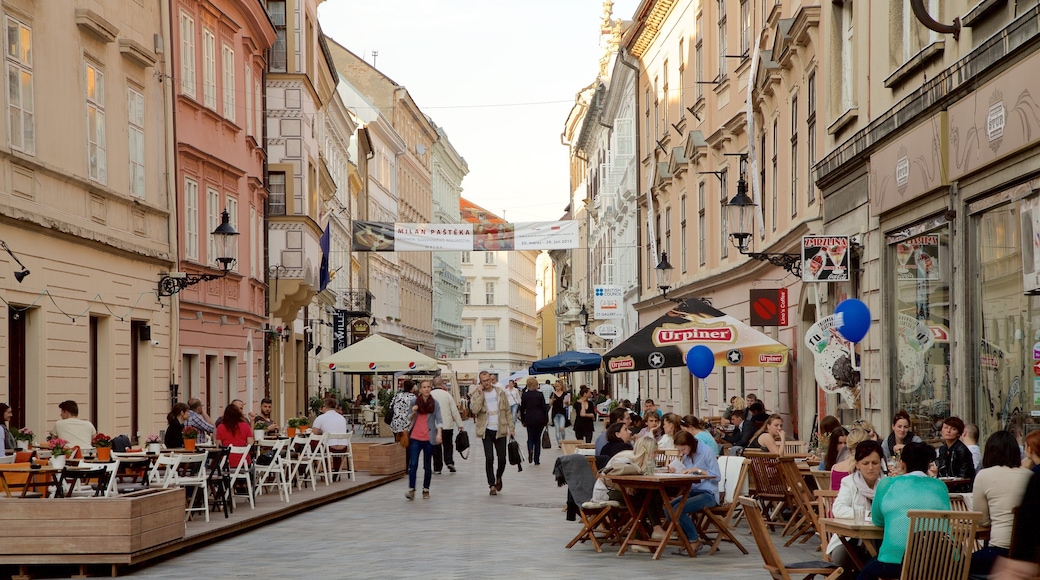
point(153, 444)
point(59, 452)
point(103, 446)
point(303, 423)
point(190, 435)
point(23, 438)
point(294, 423)
point(260, 427)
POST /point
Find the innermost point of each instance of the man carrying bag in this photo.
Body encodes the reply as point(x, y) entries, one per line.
point(443, 453)
point(490, 407)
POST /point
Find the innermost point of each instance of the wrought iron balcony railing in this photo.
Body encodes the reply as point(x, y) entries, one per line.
point(356, 302)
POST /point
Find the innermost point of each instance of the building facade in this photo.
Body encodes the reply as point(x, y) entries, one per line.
point(449, 169)
point(86, 215)
point(300, 83)
point(218, 120)
point(498, 304)
point(935, 165)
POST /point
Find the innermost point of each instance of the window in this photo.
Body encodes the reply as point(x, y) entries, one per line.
point(682, 80)
point(276, 195)
point(810, 115)
point(466, 258)
point(259, 106)
point(794, 156)
point(489, 257)
point(466, 294)
point(96, 163)
point(467, 338)
point(682, 232)
point(668, 231)
point(646, 124)
point(722, 39)
point(212, 221)
point(724, 185)
point(187, 55)
point(249, 99)
point(191, 219)
point(489, 293)
point(209, 70)
point(847, 68)
point(228, 63)
point(253, 261)
point(702, 225)
point(776, 175)
point(698, 56)
point(489, 337)
point(21, 125)
point(232, 245)
point(276, 8)
point(665, 97)
point(135, 115)
point(625, 139)
point(657, 113)
point(745, 27)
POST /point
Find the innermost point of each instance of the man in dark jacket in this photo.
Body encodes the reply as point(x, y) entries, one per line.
point(534, 414)
point(953, 458)
point(742, 432)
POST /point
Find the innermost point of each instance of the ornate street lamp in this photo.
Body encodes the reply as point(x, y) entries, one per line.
point(740, 215)
point(174, 282)
point(583, 317)
point(664, 275)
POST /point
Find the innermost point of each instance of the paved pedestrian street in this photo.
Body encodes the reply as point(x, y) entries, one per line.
point(460, 532)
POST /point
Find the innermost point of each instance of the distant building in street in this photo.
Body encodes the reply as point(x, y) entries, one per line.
point(449, 169)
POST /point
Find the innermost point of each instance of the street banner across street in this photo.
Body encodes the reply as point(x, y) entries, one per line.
point(481, 236)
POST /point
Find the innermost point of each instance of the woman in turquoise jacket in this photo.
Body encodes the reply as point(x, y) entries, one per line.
point(896, 496)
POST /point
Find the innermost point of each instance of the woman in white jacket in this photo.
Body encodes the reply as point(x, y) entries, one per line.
point(857, 490)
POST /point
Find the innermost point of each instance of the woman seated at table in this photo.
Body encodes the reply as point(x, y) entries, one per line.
point(893, 498)
point(770, 437)
point(846, 466)
point(640, 461)
point(835, 449)
point(857, 490)
point(697, 459)
point(1032, 451)
point(900, 436)
point(692, 425)
point(618, 440)
point(175, 425)
point(998, 490)
point(234, 430)
point(671, 423)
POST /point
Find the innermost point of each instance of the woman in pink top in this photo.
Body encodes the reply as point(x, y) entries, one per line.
point(424, 433)
point(844, 467)
point(234, 430)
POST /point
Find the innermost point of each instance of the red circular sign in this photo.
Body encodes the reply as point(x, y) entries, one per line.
point(1036, 368)
point(765, 308)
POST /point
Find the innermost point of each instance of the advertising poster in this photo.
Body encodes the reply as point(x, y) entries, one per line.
point(918, 258)
point(913, 339)
point(479, 237)
point(832, 356)
point(546, 235)
point(825, 258)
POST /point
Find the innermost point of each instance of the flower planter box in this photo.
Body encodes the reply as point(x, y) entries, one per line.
point(384, 429)
point(123, 525)
point(385, 459)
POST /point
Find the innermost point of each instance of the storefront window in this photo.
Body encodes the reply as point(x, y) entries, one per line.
point(1007, 348)
point(920, 362)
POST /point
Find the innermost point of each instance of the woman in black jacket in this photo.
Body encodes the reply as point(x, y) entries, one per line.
point(175, 425)
point(534, 414)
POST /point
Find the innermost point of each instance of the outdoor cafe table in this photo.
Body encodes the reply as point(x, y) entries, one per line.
point(662, 486)
point(849, 529)
point(34, 479)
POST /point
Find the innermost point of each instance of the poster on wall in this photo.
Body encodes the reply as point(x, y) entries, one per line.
point(832, 361)
point(825, 258)
point(918, 258)
point(913, 339)
point(1030, 212)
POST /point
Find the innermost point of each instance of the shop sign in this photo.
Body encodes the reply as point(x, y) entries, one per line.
point(607, 302)
point(832, 356)
point(339, 331)
point(1030, 211)
point(359, 328)
point(825, 258)
point(607, 331)
point(913, 340)
point(918, 258)
point(768, 307)
point(1036, 351)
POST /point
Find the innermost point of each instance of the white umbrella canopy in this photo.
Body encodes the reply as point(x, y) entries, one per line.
point(377, 354)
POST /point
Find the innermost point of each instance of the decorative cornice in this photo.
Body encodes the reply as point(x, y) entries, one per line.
point(136, 52)
point(93, 23)
point(649, 21)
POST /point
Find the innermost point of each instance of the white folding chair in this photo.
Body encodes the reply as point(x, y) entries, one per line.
point(163, 470)
point(192, 473)
point(345, 456)
point(273, 474)
point(300, 461)
point(242, 473)
point(320, 456)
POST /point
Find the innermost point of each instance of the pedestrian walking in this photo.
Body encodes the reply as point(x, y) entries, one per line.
point(490, 407)
point(558, 401)
point(584, 415)
point(424, 433)
point(400, 408)
point(444, 454)
point(514, 398)
point(534, 414)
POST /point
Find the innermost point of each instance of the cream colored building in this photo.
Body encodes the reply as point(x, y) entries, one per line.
point(85, 205)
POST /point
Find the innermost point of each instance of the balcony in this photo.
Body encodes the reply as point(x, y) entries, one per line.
point(356, 302)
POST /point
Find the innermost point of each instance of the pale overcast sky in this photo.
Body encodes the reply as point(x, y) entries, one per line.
point(477, 67)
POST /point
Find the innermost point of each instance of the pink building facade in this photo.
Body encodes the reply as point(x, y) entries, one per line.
point(218, 66)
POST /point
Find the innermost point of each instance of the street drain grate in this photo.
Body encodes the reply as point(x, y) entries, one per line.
point(546, 506)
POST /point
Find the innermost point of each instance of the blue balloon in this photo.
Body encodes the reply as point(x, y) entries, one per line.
point(700, 360)
point(852, 319)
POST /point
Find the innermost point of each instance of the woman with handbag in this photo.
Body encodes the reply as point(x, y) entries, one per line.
point(423, 433)
point(585, 420)
point(558, 401)
point(535, 416)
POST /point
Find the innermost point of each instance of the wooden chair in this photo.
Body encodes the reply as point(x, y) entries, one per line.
point(803, 518)
point(823, 478)
point(939, 544)
point(773, 564)
point(600, 525)
point(371, 425)
point(794, 447)
point(824, 501)
point(719, 519)
point(770, 489)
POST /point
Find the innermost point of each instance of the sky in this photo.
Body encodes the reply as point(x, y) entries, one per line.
point(499, 76)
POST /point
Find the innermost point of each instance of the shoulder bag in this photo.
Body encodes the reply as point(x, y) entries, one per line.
point(403, 440)
point(462, 443)
point(546, 442)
